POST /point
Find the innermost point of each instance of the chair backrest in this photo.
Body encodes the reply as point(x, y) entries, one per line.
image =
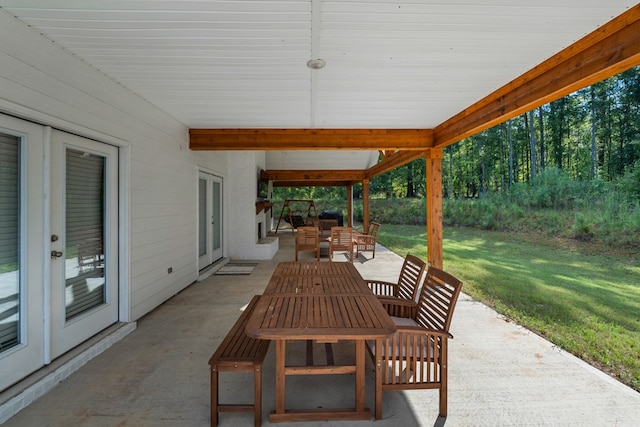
point(341, 239)
point(374, 227)
point(437, 299)
point(307, 238)
point(410, 276)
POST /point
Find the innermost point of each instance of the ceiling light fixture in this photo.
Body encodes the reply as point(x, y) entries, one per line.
point(316, 64)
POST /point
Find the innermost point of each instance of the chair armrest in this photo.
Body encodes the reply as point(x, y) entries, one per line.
point(399, 307)
point(364, 238)
point(382, 288)
point(419, 329)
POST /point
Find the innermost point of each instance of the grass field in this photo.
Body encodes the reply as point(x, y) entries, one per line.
point(583, 297)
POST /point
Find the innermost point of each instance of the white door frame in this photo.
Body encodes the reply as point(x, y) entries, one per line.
point(67, 333)
point(212, 220)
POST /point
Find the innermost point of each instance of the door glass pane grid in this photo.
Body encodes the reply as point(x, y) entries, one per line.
point(84, 224)
point(10, 298)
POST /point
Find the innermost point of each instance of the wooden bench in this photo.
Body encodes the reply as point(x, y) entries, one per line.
point(239, 353)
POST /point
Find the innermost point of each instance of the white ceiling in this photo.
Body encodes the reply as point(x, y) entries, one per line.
point(241, 64)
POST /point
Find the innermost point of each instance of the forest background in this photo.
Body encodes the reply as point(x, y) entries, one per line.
point(542, 220)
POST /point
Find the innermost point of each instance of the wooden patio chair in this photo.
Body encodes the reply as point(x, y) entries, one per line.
point(415, 357)
point(341, 240)
point(308, 239)
point(408, 282)
point(366, 242)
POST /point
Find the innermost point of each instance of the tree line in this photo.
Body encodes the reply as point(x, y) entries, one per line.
point(593, 133)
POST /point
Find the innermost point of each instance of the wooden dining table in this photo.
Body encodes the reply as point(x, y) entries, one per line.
point(325, 302)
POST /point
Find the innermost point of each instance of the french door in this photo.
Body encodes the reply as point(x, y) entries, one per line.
point(84, 239)
point(58, 284)
point(21, 254)
point(209, 219)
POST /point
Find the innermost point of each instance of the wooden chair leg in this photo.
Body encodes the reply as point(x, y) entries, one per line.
point(443, 401)
point(443, 387)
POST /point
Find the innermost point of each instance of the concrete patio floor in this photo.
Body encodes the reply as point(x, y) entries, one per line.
point(500, 374)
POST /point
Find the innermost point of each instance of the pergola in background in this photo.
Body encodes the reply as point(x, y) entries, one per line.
point(611, 49)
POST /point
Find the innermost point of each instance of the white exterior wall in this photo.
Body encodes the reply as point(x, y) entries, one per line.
point(243, 222)
point(44, 84)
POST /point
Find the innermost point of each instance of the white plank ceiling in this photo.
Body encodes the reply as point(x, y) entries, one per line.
point(241, 64)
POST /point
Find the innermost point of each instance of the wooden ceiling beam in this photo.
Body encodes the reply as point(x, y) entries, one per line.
point(609, 50)
point(338, 178)
point(350, 175)
point(310, 139)
point(313, 183)
point(392, 161)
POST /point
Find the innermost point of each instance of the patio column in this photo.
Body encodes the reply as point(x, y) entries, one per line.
point(365, 205)
point(350, 205)
point(433, 159)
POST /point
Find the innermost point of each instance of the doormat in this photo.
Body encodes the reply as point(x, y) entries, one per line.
point(236, 269)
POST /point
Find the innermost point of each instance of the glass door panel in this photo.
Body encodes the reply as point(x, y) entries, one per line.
point(84, 228)
point(9, 242)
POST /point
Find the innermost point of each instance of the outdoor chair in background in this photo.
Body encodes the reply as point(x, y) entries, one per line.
point(408, 281)
point(326, 224)
point(308, 240)
point(415, 357)
point(341, 240)
point(366, 242)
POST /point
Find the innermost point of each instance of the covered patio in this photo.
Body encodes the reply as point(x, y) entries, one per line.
point(500, 374)
point(187, 103)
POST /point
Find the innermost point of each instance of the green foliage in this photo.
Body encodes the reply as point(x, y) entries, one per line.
point(392, 211)
point(582, 229)
point(556, 205)
point(630, 181)
point(553, 204)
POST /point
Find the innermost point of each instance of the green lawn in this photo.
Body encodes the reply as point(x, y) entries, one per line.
point(583, 298)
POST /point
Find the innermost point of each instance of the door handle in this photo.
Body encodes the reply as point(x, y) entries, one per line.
point(56, 254)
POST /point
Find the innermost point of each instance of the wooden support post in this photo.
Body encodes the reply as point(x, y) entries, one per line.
point(350, 205)
point(365, 205)
point(433, 158)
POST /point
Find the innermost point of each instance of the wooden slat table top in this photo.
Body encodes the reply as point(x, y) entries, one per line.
point(318, 300)
point(319, 285)
point(321, 317)
point(315, 269)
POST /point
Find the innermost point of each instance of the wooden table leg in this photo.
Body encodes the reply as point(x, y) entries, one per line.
point(280, 376)
point(378, 381)
point(360, 376)
point(359, 412)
